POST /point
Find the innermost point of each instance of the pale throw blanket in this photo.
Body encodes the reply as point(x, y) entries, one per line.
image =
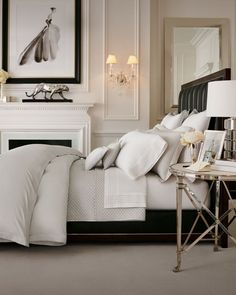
point(123, 192)
point(34, 183)
point(86, 198)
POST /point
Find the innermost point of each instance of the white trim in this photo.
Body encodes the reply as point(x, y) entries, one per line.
point(47, 117)
point(76, 137)
point(34, 106)
point(108, 134)
point(135, 114)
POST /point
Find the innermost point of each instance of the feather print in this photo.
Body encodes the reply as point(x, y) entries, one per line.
point(54, 35)
point(26, 54)
point(44, 46)
point(38, 54)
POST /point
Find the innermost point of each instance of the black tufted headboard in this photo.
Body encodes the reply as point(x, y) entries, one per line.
point(193, 95)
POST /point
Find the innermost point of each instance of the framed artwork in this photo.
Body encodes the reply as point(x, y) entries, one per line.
point(42, 41)
point(212, 146)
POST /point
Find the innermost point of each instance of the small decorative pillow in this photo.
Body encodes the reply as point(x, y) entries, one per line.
point(95, 157)
point(173, 120)
point(111, 155)
point(171, 154)
point(198, 121)
point(139, 153)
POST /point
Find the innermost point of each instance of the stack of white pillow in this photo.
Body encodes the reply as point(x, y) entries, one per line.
point(136, 153)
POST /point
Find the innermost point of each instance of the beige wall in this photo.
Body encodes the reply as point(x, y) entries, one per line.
point(181, 8)
point(125, 27)
point(121, 27)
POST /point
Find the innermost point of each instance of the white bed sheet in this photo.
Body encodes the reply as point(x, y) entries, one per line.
point(86, 197)
point(162, 195)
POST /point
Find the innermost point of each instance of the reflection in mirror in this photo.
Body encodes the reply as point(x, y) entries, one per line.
point(194, 47)
point(196, 53)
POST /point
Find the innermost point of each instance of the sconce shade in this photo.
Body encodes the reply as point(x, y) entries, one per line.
point(221, 99)
point(111, 59)
point(132, 60)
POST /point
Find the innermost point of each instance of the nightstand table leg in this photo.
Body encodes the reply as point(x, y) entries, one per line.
point(217, 202)
point(179, 188)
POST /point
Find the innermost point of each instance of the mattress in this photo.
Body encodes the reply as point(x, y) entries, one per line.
point(86, 196)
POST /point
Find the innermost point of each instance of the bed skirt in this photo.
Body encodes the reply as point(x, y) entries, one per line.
point(160, 226)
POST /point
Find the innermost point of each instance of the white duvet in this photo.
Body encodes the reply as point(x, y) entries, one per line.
point(34, 183)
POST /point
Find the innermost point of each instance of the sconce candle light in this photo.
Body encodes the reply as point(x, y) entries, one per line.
point(120, 78)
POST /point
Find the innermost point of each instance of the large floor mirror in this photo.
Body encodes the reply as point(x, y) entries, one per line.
point(194, 48)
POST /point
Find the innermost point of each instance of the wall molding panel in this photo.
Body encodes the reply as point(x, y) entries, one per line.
point(116, 97)
point(105, 138)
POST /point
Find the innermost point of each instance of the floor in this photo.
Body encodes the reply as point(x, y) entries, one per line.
point(115, 269)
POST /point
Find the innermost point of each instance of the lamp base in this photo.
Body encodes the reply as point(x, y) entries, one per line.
point(230, 139)
point(230, 124)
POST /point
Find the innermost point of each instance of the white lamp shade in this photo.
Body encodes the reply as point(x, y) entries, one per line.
point(221, 99)
point(111, 59)
point(132, 60)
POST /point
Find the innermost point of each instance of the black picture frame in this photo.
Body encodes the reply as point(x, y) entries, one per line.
point(75, 79)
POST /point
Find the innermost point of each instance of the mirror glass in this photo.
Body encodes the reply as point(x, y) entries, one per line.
point(194, 48)
point(196, 53)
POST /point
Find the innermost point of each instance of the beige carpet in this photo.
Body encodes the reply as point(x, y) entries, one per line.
point(107, 269)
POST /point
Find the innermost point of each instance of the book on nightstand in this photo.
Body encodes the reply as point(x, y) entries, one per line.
point(224, 165)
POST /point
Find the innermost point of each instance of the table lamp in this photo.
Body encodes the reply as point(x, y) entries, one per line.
point(221, 102)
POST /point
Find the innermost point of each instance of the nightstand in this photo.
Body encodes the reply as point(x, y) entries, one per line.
point(219, 178)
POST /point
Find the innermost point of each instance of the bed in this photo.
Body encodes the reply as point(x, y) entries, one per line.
point(160, 223)
point(54, 196)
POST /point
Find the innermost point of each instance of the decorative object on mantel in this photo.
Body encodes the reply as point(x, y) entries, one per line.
point(221, 102)
point(52, 89)
point(121, 78)
point(190, 139)
point(3, 79)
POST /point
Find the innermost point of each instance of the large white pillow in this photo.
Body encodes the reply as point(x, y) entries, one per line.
point(111, 155)
point(95, 157)
point(198, 121)
point(139, 153)
point(172, 120)
point(171, 154)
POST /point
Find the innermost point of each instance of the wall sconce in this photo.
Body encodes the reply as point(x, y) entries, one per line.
point(120, 78)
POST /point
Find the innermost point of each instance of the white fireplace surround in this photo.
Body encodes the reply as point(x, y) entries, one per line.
point(46, 121)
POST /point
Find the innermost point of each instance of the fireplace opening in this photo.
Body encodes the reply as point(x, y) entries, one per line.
point(14, 143)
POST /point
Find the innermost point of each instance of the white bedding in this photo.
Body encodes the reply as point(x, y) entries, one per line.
point(25, 172)
point(86, 198)
point(161, 195)
point(122, 192)
point(36, 181)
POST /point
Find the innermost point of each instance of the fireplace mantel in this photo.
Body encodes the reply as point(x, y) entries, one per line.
point(23, 119)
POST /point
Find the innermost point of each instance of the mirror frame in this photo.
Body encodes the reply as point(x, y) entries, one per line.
point(169, 25)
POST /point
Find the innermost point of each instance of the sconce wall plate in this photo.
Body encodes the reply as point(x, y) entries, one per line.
point(122, 79)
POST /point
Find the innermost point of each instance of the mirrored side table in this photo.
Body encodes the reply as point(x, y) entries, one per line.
point(217, 178)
